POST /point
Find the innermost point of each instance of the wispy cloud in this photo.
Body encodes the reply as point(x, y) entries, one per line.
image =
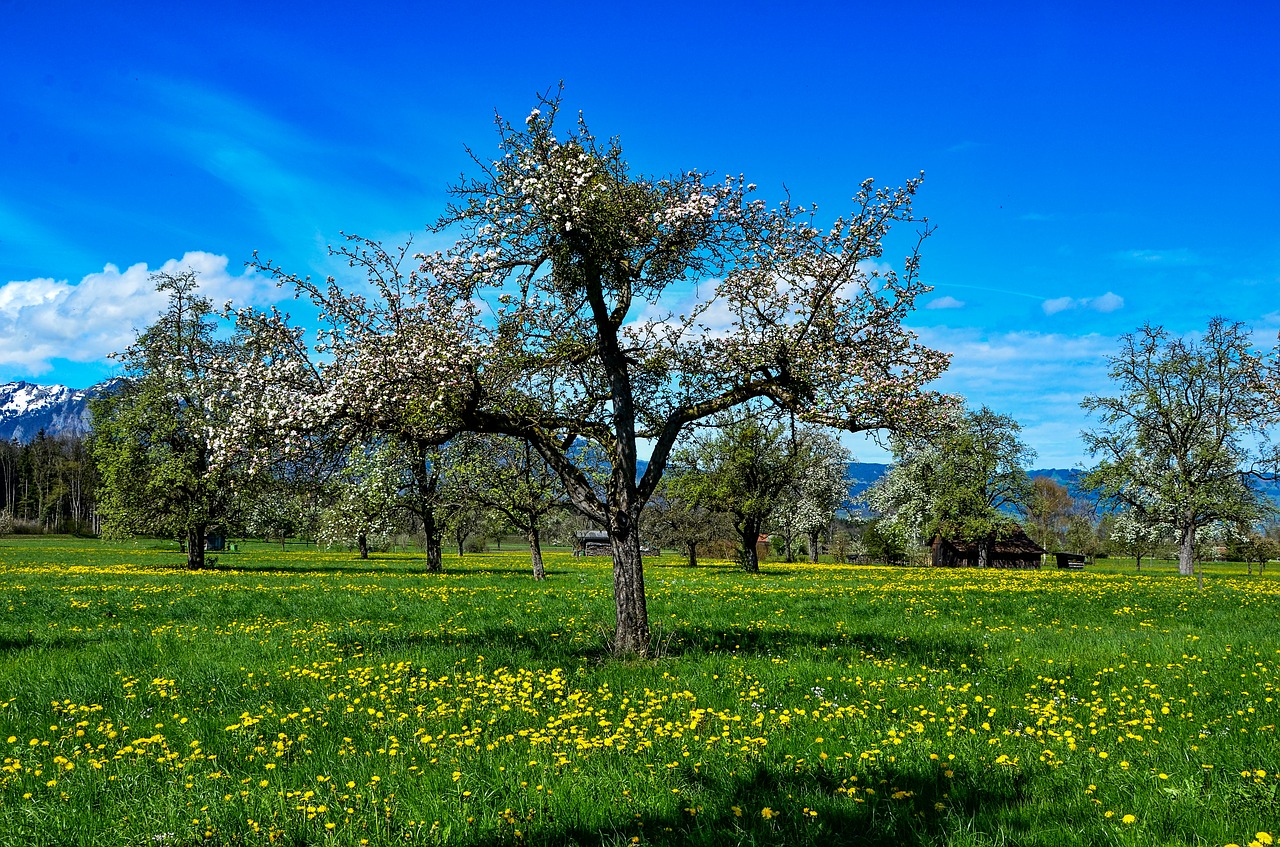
point(1105, 303)
point(1038, 378)
point(43, 319)
point(944, 302)
point(1151, 258)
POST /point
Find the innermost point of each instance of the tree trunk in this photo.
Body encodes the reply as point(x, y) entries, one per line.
point(195, 548)
point(631, 635)
point(791, 555)
point(1138, 560)
point(984, 551)
point(432, 533)
point(535, 554)
point(362, 542)
point(1187, 551)
point(750, 537)
point(460, 536)
point(693, 554)
point(813, 546)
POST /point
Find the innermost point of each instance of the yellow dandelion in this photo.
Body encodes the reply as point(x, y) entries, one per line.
point(1128, 819)
point(767, 813)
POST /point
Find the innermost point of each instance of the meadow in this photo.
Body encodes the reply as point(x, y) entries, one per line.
point(307, 697)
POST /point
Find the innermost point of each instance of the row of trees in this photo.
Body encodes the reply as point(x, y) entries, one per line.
point(48, 484)
point(1184, 447)
point(583, 313)
point(737, 476)
point(583, 310)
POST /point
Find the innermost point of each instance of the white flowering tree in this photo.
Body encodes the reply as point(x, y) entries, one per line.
point(584, 305)
point(820, 489)
point(1138, 536)
point(963, 482)
point(368, 495)
point(1190, 425)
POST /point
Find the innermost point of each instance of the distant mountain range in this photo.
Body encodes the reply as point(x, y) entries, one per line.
point(27, 408)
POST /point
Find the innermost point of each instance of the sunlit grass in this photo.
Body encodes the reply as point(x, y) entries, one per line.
point(307, 697)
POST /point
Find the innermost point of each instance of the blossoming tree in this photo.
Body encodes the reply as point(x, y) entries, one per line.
point(592, 311)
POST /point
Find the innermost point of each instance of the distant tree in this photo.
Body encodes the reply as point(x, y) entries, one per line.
point(741, 468)
point(369, 492)
point(6, 523)
point(1049, 510)
point(966, 482)
point(151, 435)
point(674, 522)
point(1252, 544)
point(1135, 536)
point(1189, 424)
point(885, 541)
point(507, 475)
point(819, 488)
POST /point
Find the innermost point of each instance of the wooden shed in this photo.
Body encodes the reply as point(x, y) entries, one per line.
point(591, 542)
point(1014, 551)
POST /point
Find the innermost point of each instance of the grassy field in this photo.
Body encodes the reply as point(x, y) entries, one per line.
point(306, 697)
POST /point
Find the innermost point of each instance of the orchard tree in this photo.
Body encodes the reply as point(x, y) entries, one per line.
point(152, 434)
point(369, 493)
point(965, 482)
point(673, 521)
point(508, 476)
point(820, 489)
point(741, 468)
point(585, 305)
point(1189, 426)
point(1138, 537)
point(1049, 510)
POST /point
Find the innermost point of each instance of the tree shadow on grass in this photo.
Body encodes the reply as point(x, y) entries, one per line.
point(19, 642)
point(372, 567)
point(684, 641)
point(779, 804)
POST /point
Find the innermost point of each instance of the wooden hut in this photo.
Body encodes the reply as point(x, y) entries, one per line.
point(1013, 551)
point(591, 542)
point(1072, 561)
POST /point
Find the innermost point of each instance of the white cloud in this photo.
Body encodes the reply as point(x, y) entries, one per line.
point(944, 302)
point(1108, 302)
point(44, 319)
point(1038, 378)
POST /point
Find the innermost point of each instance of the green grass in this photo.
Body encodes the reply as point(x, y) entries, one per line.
point(304, 697)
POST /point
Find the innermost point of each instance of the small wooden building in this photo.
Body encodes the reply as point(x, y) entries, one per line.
point(1072, 561)
point(591, 542)
point(1014, 551)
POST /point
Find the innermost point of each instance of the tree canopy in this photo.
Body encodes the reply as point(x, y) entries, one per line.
point(1189, 426)
point(153, 431)
point(966, 481)
point(588, 309)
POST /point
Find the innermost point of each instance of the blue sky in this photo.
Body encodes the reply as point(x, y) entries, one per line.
point(1089, 168)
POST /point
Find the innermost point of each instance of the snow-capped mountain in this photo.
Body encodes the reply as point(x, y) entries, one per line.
point(26, 408)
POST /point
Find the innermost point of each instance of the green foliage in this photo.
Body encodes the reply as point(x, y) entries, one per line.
point(1191, 421)
point(152, 431)
point(963, 481)
point(742, 468)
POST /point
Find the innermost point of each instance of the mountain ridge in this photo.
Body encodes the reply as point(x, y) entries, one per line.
point(27, 408)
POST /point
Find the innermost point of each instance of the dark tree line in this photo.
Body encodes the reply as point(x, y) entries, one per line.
point(48, 484)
